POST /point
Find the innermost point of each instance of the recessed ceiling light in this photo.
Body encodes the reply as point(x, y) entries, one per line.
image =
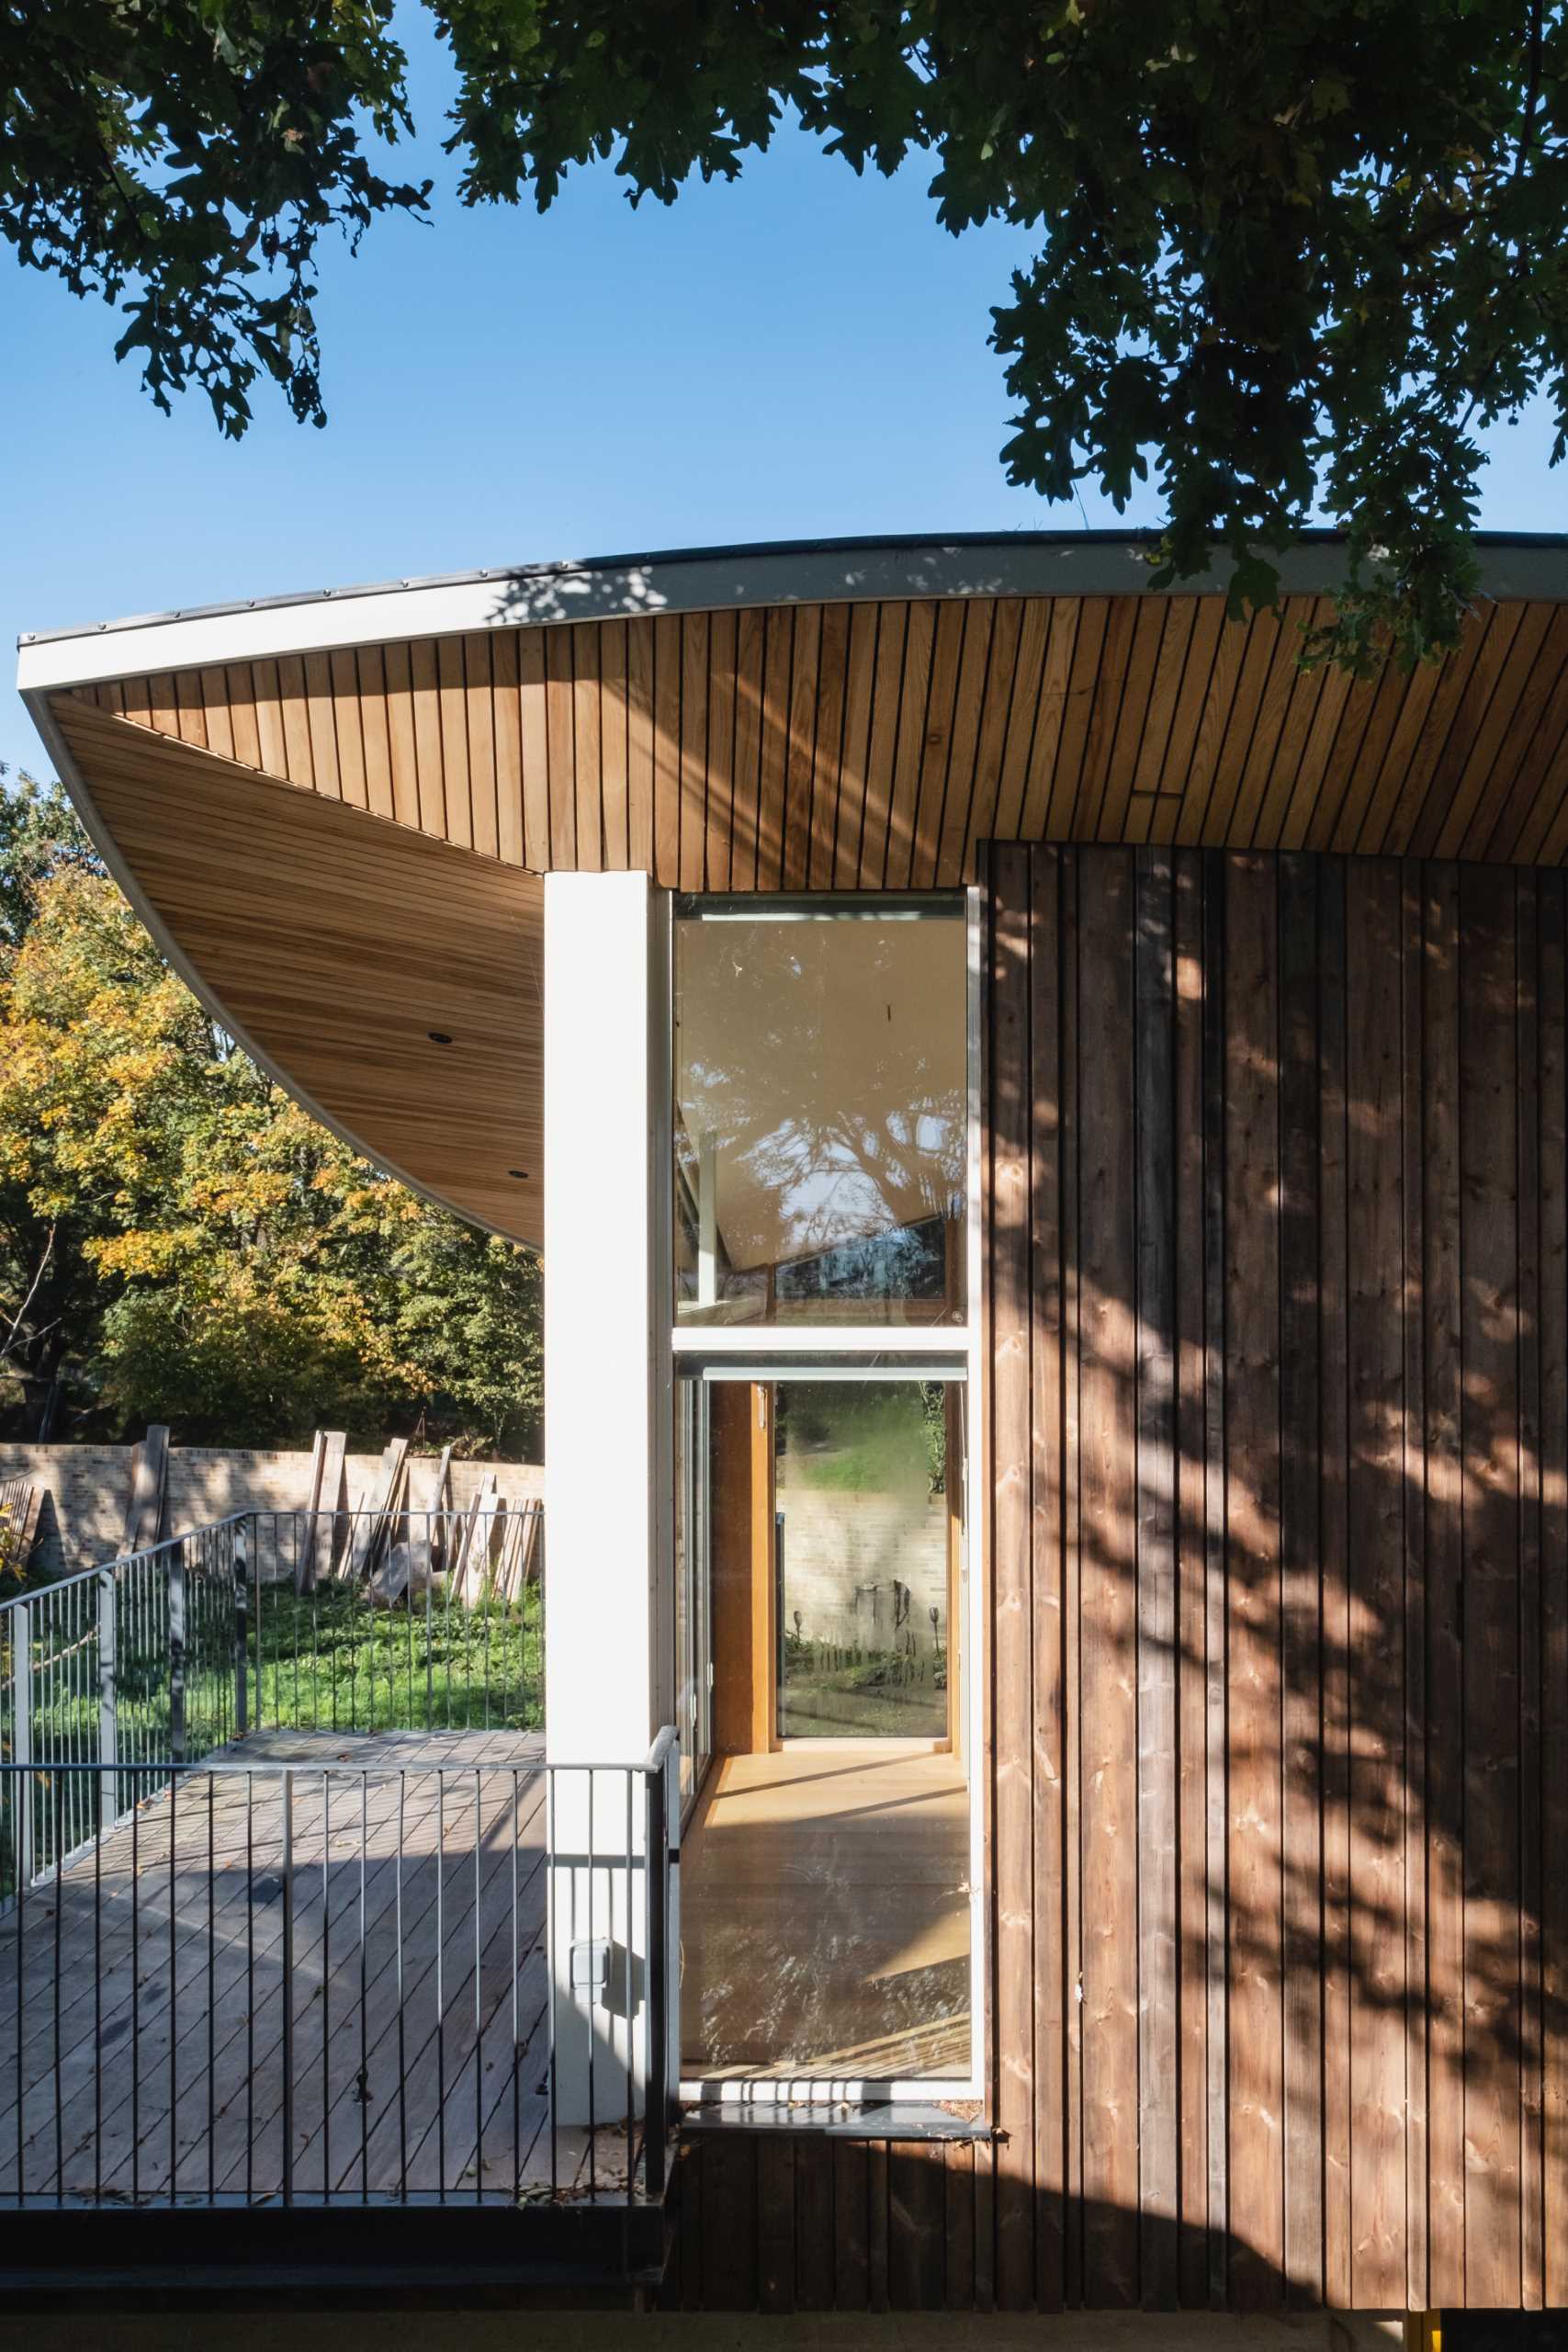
point(438, 1036)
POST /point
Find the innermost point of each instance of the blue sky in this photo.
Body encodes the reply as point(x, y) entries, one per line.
point(802, 354)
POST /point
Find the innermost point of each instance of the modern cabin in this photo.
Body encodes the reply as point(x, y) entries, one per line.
point(1048, 1124)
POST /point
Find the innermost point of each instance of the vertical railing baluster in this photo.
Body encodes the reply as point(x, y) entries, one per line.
point(288, 1800)
point(20, 1778)
point(173, 1994)
point(326, 1986)
point(98, 2000)
point(109, 1700)
point(590, 1779)
point(516, 2022)
point(241, 1634)
point(440, 1985)
point(479, 2013)
point(250, 1987)
point(175, 1591)
point(135, 2004)
point(655, 2094)
point(211, 1990)
point(554, 1933)
point(22, 1739)
point(402, 2042)
point(364, 1998)
point(629, 1946)
point(59, 1779)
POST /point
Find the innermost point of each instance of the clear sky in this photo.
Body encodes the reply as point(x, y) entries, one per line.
point(802, 354)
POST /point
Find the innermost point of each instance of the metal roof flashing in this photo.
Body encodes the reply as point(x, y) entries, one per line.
point(1019, 563)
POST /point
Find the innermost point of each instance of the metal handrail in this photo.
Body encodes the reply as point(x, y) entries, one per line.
point(163, 1655)
point(121, 1560)
point(336, 1986)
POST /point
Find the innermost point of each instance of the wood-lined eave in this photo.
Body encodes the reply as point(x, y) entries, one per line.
point(342, 949)
point(875, 745)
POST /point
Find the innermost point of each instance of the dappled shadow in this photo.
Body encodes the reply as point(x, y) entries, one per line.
point(1278, 1220)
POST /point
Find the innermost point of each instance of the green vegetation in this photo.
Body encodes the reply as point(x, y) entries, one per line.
point(327, 1661)
point(831, 1691)
point(180, 1242)
point(863, 1437)
point(1289, 255)
point(321, 1661)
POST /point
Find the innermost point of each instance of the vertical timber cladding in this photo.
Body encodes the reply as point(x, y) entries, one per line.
point(1277, 1235)
point(1279, 1540)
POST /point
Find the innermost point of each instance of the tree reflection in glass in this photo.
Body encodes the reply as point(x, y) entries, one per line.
point(820, 1111)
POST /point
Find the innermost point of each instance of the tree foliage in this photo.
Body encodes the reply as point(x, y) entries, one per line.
point(181, 158)
point(1292, 255)
point(180, 1242)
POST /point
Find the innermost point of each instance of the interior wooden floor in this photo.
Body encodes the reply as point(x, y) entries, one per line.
point(142, 1993)
point(825, 1918)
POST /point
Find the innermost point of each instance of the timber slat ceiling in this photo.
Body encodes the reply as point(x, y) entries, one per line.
point(334, 945)
point(873, 746)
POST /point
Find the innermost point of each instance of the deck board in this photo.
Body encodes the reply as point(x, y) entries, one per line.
point(142, 2020)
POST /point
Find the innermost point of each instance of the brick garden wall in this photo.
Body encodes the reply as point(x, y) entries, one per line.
point(86, 1488)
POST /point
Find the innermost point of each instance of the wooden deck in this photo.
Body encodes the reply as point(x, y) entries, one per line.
point(825, 1917)
point(142, 2028)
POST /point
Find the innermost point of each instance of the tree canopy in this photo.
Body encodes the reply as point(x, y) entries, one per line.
point(1292, 255)
point(180, 1242)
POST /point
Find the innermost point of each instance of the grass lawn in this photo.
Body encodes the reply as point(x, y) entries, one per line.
point(326, 1660)
point(322, 1661)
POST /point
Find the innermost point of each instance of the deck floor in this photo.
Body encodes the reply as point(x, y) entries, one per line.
point(825, 1917)
point(141, 2011)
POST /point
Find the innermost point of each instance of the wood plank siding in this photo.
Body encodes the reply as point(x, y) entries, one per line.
point(1276, 1179)
point(1276, 1169)
point(873, 746)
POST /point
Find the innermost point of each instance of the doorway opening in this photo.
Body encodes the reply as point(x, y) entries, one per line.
point(826, 1866)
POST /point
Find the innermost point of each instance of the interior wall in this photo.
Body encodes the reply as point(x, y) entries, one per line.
point(741, 1538)
point(1278, 1291)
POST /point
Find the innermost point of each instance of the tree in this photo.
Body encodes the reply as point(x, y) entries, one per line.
point(180, 1242)
point(1292, 253)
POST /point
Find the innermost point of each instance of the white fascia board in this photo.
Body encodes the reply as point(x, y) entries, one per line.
point(617, 589)
point(703, 580)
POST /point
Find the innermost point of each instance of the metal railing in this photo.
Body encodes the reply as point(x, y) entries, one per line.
point(303, 1985)
point(431, 1621)
point(272, 1620)
point(117, 1668)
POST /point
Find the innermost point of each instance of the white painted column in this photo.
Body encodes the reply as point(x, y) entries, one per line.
point(608, 1458)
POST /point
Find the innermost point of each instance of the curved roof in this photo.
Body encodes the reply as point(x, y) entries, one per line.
point(334, 808)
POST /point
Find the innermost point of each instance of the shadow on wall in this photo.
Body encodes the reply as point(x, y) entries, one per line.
point(1278, 1180)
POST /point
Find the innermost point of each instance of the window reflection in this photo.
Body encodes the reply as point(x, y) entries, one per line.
point(819, 1112)
point(864, 1551)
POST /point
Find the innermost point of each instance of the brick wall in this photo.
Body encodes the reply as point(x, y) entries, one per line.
point(840, 1545)
point(86, 1488)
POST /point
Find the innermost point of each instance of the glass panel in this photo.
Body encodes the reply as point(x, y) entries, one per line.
point(694, 1681)
point(863, 1554)
point(820, 1102)
point(824, 1889)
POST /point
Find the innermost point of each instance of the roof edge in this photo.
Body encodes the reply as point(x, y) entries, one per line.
point(1016, 564)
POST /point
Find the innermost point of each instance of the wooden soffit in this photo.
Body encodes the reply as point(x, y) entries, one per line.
point(873, 744)
point(332, 944)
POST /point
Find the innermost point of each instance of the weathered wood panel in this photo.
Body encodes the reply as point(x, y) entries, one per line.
point(878, 744)
point(1277, 1175)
